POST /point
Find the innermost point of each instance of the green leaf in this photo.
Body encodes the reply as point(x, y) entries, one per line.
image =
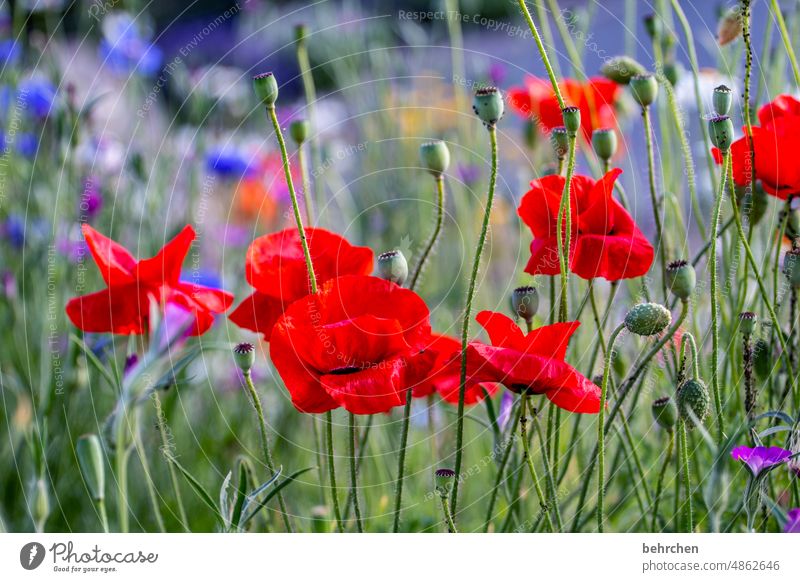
point(94, 360)
point(245, 472)
point(290, 479)
point(198, 488)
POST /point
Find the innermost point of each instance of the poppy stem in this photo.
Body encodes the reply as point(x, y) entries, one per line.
point(601, 433)
point(362, 447)
point(448, 518)
point(312, 279)
point(564, 229)
point(163, 432)
point(337, 514)
point(787, 40)
point(749, 387)
point(401, 460)
point(354, 472)
point(303, 163)
point(651, 173)
point(548, 474)
point(476, 264)
point(683, 446)
point(255, 400)
point(526, 454)
point(436, 230)
point(661, 474)
point(542, 52)
point(311, 102)
point(688, 339)
point(507, 447)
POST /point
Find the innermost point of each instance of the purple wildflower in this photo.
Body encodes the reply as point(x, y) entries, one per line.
point(759, 459)
point(506, 404)
point(793, 525)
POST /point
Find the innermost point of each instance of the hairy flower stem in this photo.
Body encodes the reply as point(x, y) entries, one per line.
point(548, 475)
point(508, 446)
point(661, 475)
point(354, 472)
point(787, 40)
point(122, 455)
point(448, 517)
point(651, 173)
point(163, 433)
point(301, 160)
point(401, 460)
point(526, 453)
point(362, 447)
point(683, 446)
point(601, 433)
point(434, 236)
point(462, 388)
point(564, 225)
point(311, 103)
point(262, 427)
point(712, 266)
point(749, 385)
point(542, 53)
point(337, 514)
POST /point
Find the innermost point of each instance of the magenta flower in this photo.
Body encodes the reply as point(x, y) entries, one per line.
point(793, 525)
point(759, 459)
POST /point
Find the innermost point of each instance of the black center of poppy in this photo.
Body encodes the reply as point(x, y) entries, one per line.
point(345, 371)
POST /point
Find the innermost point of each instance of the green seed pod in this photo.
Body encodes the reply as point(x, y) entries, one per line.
point(245, 356)
point(672, 73)
point(525, 302)
point(644, 89)
point(393, 267)
point(41, 503)
point(730, 26)
point(648, 319)
point(763, 361)
point(791, 267)
point(720, 129)
point(652, 25)
point(693, 396)
point(665, 412)
point(93, 469)
point(681, 279)
point(299, 131)
point(572, 119)
point(560, 141)
point(443, 479)
point(300, 32)
point(621, 69)
point(723, 99)
point(747, 322)
point(266, 88)
point(604, 142)
point(488, 105)
point(435, 157)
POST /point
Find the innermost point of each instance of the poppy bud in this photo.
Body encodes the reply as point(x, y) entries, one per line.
point(531, 134)
point(41, 503)
point(300, 32)
point(762, 359)
point(647, 319)
point(299, 131)
point(621, 69)
point(723, 99)
point(266, 88)
point(730, 26)
point(444, 481)
point(652, 25)
point(90, 460)
point(665, 412)
point(572, 119)
point(604, 143)
point(435, 157)
point(672, 73)
point(488, 105)
point(560, 140)
point(393, 267)
point(644, 89)
point(245, 356)
point(525, 302)
point(681, 279)
point(747, 322)
point(721, 130)
point(693, 396)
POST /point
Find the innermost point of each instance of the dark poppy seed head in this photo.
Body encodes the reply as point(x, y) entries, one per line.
point(488, 105)
point(681, 278)
point(674, 265)
point(525, 302)
point(665, 412)
point(443, 480)
point(446, 473)
point(266, 88)
point(245, 356)
point(392, 266)
point(747, 322)
point(572, 119)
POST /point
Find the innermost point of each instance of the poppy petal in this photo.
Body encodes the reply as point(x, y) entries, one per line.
point(370, 391)
point(258, 313)
point(122, 310)
point(165, 267)
point(116, 264)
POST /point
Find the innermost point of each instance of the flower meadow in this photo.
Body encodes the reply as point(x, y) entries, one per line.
point(477, 267)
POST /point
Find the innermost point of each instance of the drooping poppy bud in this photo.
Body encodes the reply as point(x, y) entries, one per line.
point(693, 396)
point(444, 481)
point(488, 105)
point(299, 131)
point(665, 412)
point(266, 88)
point(644, 89)
point(604, 142)
point(747, 322)
point(681, 279)
point(435, 157)
point(652, 25)
point(245, 356)
point(672, 73)
point(720, 129)
point(560, 140)
point(90, 460)
point(621, 69)
point(723, 99)
point(393, 267)
point(647, 319)
point(525, 302)
point(730, 26)
point(572, 119)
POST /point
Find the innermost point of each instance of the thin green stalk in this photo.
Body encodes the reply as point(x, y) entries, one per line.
point(354, 472)
point(101, 509)
point(401, 460)
point(526, 453)
point(684, 448)
point(362, 447)
point(468, 315)
point(311, 103)
point(148, 479)
point(255, 400)
point(161, 425)
point(547, 33)
point(542, 53)
point(787, 40)
point(501, 469)
point(651, 173)
point(332, 471)
point(434, 236)
point(601, 433)
point(563, 244)
point(457, 55)
point(688, 339)
point(548, 475)
point(661, 475)
point(301, 160)
point(448, 517)
point(122, 455)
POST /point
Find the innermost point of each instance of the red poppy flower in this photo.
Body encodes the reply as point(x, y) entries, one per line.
point(532, 362)
point(430, 373)
point(276, 267)
point(774, 144)
point(605, 241)
point(596, 99)
point(124, 306)
point(349, 345)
